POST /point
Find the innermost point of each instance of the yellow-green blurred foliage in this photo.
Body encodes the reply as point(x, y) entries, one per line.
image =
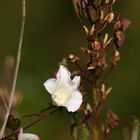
point(52, 32)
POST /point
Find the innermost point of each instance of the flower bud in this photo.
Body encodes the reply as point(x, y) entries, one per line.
point(27, 136)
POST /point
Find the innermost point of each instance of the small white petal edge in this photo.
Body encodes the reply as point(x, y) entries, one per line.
point(73, 104)
point(63, 74)
point(76, 81)
point(76, 95)
point(50, 85)
point(27, 136)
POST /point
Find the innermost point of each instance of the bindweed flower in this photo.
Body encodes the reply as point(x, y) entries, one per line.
point(27, 136)
point(64, 91)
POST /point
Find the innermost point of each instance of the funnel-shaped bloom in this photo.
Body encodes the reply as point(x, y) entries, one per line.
point(64, 91)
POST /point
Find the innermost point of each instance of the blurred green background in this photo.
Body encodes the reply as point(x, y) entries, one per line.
point(52, 32)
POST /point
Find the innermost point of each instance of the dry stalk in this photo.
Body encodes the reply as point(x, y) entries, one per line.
point(16, 68)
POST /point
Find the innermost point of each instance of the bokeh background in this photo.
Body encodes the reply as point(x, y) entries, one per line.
point(52, 32)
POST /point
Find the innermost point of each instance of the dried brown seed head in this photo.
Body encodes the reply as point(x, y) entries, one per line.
point(122, 24)
point(114, 1)
point(110, 17)
point(116, 57)
point(125, 23)
point(117, 25)
point(105, 92)
point(102, 15)
point(96, 45)
point(92, 29)
point(112, 122)
point(91, 67)
point(119, 38)
point(107, 1)
point(105, 38)
point(73, 58)
point(88, 109)
point(86, 50)
point(86, 29)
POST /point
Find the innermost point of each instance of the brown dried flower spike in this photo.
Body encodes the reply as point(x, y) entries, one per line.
point(112, 122)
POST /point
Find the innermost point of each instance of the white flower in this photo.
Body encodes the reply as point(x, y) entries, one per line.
point(64, 91)
point(27, 136)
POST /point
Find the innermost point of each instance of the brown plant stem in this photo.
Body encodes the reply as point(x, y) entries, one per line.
point(38, 114)
point(41, 117)
point(95, 117)
point(16, 69)
point(94, 94)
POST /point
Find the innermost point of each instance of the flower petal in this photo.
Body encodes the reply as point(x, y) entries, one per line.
point(76, 81)
point(73, 105)
point(28, 136)
point(74, 102)
point(63, 74)
point(76, 95)
point(50, 85)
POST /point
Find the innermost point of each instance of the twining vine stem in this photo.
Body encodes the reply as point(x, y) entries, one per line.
point(16, 68)
point(40, 118)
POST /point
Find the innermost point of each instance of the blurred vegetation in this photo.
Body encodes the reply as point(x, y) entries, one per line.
point(52, 32)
